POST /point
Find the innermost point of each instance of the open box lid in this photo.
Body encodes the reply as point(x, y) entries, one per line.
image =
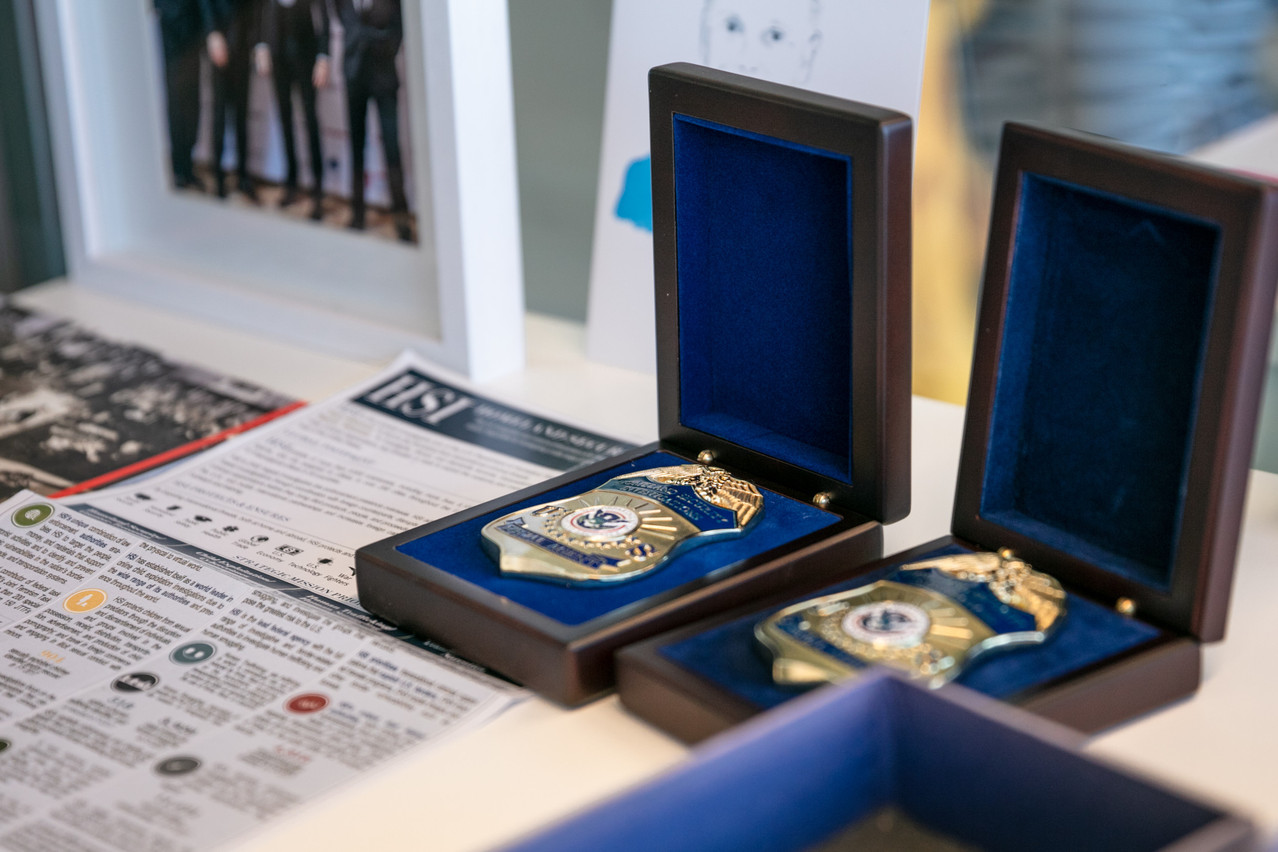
point(1120, 355)
point(797, 777)
point(781, 225)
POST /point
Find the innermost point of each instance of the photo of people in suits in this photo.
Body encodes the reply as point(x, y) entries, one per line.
point(372, 33)
point(231, 29)
point(297, 37)
point(181, 38)
point(267, 104)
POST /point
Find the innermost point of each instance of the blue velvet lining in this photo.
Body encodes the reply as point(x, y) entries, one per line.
point(1099, 376)
point(729, 655)
point(764, 240)
point(1019, 793)
point(807, 773)
point(785, 788)
point(458, 551)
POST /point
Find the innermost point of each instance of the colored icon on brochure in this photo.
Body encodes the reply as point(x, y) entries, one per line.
point(84, 600)
point(625, 528)
point(181, 765)
point(33, 514)
point(928, 619)
point(310, 702)
point(191, 653)
point(135, 682)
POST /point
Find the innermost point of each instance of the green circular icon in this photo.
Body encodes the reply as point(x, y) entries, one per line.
point(32, 514)
point(191, 653)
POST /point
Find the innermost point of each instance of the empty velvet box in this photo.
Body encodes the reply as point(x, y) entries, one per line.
point(823, 773)
point(1120, 355)
point(782, 244)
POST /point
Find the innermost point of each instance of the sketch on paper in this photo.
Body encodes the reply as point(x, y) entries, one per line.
point(776, 40)
point(857, 49)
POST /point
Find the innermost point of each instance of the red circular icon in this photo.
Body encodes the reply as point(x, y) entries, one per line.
point(310, 702)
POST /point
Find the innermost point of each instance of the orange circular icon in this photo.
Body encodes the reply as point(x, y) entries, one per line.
point(84, 600)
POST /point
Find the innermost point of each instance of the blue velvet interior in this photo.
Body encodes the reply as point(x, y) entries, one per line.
point(786, 787)
point(458, 551)
point(1018, 793)
point(730, 656)
point(799, 777)
point(764, 230)
point(1099, 376)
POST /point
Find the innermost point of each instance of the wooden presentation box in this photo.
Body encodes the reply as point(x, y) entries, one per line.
point(884, 764)
point(1120, 355)
point(782, 245)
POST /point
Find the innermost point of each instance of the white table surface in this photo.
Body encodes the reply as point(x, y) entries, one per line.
point(539, 762)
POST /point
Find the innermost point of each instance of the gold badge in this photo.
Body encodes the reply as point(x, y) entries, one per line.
point(923, 620)
point(626, 527)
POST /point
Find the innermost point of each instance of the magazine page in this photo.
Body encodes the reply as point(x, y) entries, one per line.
point(78, 411)
point(291, 501)
point(183, 657)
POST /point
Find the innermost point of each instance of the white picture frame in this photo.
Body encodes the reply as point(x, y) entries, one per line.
point(863, 50)
point(456, 296)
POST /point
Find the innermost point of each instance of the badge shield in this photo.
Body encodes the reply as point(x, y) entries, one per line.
point(929, 620)
point(626, 528)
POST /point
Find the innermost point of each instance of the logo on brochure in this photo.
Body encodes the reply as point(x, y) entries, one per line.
point(32, 514)
point(134, 682)
point(84, 600)
point(191, 653)
point(177, 765)
point(309, 702)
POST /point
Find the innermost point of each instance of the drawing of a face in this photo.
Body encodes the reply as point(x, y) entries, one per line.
point(772, 39)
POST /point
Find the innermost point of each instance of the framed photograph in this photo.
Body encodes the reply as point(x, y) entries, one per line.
point(337, 173)
point(861, 50)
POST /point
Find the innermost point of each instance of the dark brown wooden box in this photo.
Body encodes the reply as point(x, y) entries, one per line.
point(783, 354)
point(1106, 446)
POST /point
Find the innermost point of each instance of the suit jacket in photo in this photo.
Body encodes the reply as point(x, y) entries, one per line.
point(239, 21)
point(372, 31)
point(298, 30)
point(181, 26)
